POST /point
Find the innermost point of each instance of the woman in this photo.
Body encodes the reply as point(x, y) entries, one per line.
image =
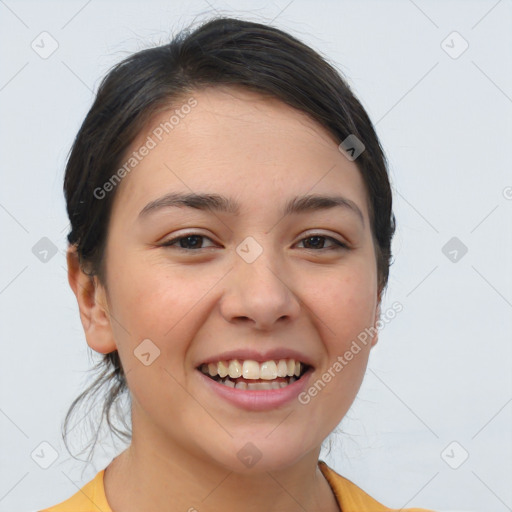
point(231, 221)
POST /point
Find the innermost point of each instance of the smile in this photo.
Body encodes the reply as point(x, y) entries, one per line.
point(251, 375)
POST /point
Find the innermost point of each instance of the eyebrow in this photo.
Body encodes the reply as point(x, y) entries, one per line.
point(219, 203)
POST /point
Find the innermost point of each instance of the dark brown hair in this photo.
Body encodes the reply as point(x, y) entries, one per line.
point(222, 51)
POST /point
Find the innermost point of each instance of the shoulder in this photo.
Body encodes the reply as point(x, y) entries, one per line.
point(352, 498)
point(90, 498)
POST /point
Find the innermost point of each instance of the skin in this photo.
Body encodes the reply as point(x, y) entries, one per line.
point(199, 303)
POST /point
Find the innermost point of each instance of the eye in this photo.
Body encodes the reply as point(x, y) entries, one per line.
point(186, 242)
point(317, 241)
point(193, 241)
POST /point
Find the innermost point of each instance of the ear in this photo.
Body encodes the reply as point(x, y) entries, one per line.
point(91, 297)
point(375, 320)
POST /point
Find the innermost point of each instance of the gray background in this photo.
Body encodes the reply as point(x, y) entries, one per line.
point(441, 370)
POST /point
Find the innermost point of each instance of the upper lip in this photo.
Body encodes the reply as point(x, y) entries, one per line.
point(256, 355)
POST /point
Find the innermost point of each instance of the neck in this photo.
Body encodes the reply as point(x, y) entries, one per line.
point(153, 474)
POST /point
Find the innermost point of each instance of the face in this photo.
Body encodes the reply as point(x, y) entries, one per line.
point(187, 286)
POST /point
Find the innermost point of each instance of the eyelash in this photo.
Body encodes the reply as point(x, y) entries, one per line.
point(338, 245)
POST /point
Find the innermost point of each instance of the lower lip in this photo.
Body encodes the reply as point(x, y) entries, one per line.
point(258, 399)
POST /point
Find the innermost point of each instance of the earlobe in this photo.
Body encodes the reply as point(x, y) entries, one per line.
point(92, 304)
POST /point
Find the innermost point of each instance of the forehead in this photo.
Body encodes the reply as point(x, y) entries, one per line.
point(239, 143)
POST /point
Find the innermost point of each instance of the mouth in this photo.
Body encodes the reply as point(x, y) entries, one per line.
point(250, 375)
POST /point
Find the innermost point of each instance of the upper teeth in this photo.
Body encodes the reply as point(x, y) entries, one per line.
point(250, 369)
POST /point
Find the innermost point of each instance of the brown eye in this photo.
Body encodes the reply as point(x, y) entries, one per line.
point(191, 241)
point(318, 241)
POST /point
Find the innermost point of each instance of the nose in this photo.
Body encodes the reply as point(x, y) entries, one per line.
point(259, 294)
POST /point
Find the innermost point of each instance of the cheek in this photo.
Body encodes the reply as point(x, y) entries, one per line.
point(150, 299)
point(345, 308)
point(153, 305)
point(345, 302)
point(350, 314)
point(161, 303)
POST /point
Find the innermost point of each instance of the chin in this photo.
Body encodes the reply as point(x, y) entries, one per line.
point(255, 454)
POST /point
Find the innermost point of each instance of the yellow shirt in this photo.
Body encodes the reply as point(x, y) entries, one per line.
point(350, 498)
